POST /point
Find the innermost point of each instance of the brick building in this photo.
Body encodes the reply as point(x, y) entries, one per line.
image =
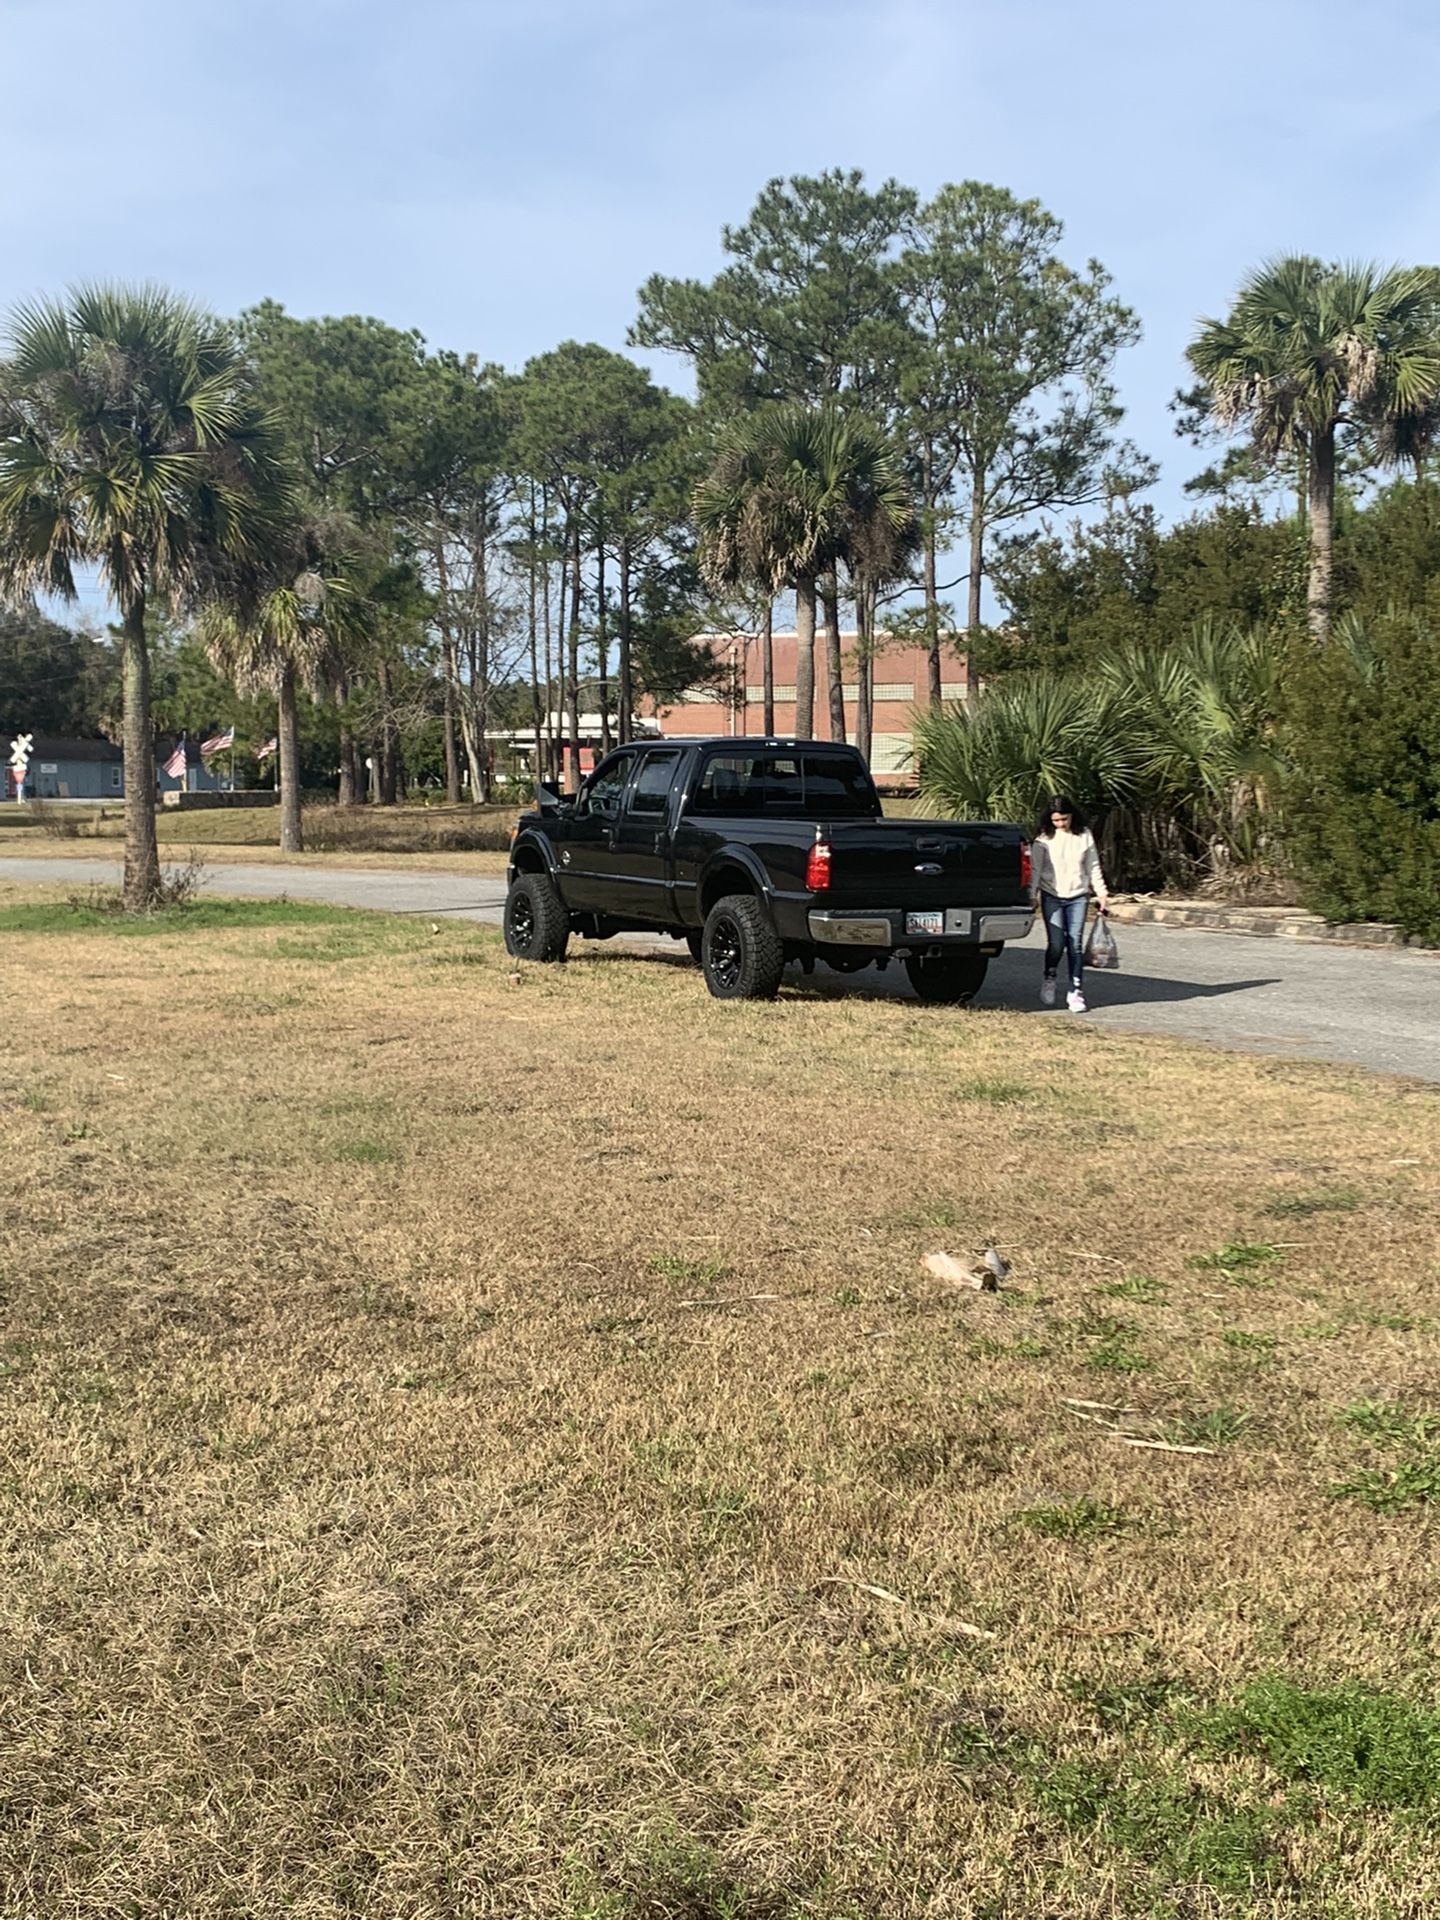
point(735, 705)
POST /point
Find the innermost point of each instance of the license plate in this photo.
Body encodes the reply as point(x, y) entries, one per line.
point(925, 923)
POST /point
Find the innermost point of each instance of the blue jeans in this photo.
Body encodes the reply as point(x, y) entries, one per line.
point(1065, 933)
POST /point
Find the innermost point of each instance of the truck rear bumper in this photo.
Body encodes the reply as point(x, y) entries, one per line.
point(888, 929)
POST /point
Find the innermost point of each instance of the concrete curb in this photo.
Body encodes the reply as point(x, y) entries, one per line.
point(1285, 923)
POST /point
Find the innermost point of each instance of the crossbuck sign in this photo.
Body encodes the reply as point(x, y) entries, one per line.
point(20, 761)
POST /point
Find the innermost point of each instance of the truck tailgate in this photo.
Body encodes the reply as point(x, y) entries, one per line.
point(923, 863)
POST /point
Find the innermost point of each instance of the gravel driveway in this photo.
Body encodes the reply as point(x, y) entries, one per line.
point(1375, 1008)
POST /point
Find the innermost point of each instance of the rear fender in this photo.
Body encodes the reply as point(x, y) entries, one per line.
point(725, 866)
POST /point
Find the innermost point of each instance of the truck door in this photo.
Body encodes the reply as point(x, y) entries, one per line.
point(585, 847)
point(639, 846)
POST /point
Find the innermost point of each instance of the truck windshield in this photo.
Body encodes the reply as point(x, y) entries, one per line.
point(818, 786)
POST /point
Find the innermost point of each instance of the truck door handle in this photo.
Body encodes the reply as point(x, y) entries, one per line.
point(930, 844)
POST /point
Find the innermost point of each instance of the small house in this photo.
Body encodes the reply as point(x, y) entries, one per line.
point(70, 769)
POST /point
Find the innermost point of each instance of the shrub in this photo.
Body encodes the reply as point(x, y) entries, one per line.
point(1361, 810)
point(1170, 751)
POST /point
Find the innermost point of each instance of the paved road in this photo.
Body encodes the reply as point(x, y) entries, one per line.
point(1375, 1009)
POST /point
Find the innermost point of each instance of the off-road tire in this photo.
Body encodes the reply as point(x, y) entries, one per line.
point(536, 924)
point(948, 979)
point(742, 955)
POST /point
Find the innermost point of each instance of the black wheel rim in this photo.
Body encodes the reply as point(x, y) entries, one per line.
point(726, 955)
point(522, 920)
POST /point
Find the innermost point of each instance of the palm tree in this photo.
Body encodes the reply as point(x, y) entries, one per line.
point(793, 491)
point(299, 619)
point(1309, 349)
point(130, 441)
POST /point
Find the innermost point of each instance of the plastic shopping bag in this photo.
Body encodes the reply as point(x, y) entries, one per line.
point(1101, 951)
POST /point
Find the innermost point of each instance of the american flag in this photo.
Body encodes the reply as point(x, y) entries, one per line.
point(175, 766)
point(264, 753)
point(218, 742)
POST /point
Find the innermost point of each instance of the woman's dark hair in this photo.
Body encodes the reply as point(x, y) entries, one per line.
point(1059, 803)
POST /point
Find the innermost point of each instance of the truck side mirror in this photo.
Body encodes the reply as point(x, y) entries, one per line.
point(547, 796)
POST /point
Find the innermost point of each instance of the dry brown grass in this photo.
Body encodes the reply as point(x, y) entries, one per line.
point(480, 1445)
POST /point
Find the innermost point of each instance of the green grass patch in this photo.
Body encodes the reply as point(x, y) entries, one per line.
point(681, 1270)
point(1241, 1262)
point(1243, 1342)
point(200, 916)
point(365, 1153)
point(1125, 1703)
point(1218, 1428)
point(1115, 1349)
point(1415, 1434)
point(1082, 1519)
point(1184, 1834)
point(1392, 1424)
point(1366, 1746)
point(1300, 1206)
point(994, 1092)
point(1136, 1286)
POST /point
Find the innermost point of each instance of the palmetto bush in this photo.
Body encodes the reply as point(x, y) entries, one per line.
point(1171, 752)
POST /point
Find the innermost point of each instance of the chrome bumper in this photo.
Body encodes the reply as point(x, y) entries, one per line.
point(852, 929)
point(886, 929)
point(1004, 926)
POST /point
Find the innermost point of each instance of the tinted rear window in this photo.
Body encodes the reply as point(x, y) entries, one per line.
point(806, 786)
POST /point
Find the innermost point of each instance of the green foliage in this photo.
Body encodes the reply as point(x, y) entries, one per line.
point(807, 308)
point(1124, 581)
point(1361, 816)
point(100, 915)
point(796, 491)
point(1244, 1342)
point(1240, 1261)
point(131, 441)
point(1300, 1206)
point(1365, 1746)
point(1214, 1429)
point(1415, 1435)
point(1006, 380)
point(53, 680)
point(1170, 753)
point(1186, 1834)
point(1081, 1519)
point(1136, 1286)
point(1310, 351)
point(1391, 1424)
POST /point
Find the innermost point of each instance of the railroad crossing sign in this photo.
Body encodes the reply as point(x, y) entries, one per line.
point(20, 760)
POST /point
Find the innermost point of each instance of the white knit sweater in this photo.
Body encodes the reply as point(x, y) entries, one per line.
point(1066, 864)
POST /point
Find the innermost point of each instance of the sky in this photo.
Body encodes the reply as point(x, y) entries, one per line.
point(504, 177)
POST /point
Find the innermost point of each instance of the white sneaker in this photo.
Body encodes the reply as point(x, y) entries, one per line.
point(1075, 1001)
point(1047, 991)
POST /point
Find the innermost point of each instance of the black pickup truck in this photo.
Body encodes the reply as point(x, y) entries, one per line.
point(757, 852)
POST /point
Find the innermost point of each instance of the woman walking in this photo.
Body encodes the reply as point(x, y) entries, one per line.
point(1065, 871)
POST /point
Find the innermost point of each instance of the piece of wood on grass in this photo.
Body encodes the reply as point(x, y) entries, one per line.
point(946, 1622)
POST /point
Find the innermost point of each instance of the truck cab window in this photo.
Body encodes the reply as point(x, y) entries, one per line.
point(652, 784)
point(601, 792)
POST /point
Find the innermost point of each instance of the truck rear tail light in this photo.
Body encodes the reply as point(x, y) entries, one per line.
point(817, 867)
point(1025, 866)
